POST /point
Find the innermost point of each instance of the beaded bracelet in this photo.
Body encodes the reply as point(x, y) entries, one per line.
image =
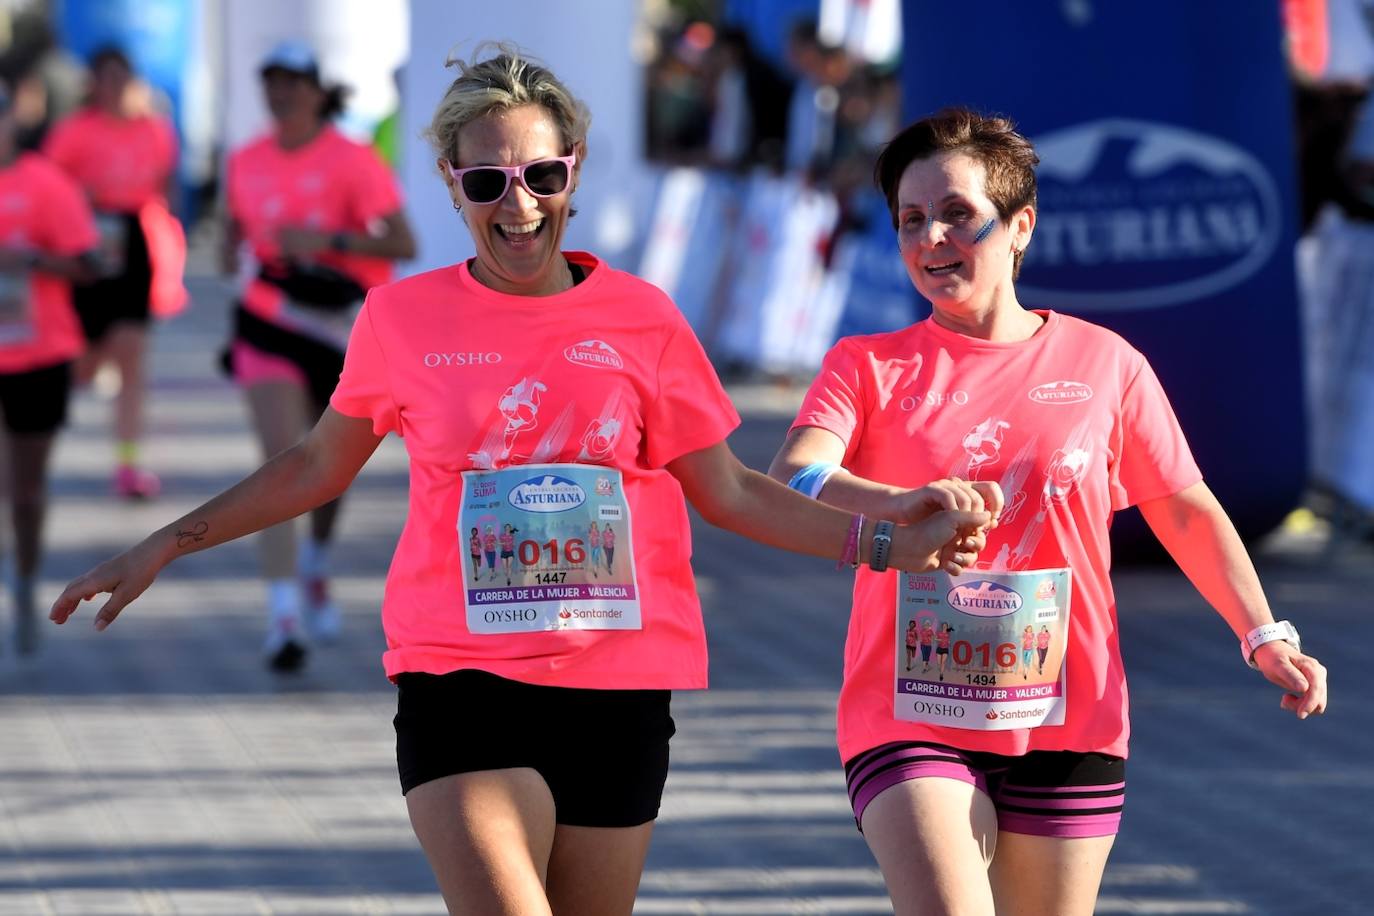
point(851, 544)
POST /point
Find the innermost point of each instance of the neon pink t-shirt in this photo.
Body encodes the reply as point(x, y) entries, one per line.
point(507, 543)
point(942, 640)
point(927, 635)
point(613, 376)
point(912, 637)
point(475, 545)
point(121, 163)
point(489, 542)
point(331, 185)
point(1027, 640)
point(41, 209)
point(1074, 426)
point(608, 538)
point(594, 538)
point(1042, 640)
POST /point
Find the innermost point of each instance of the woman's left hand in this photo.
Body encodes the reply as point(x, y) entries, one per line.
point(1302, 677)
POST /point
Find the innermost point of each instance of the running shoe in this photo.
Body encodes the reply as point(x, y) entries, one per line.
point(322, 616)
point(136, 483)
point(285, 649)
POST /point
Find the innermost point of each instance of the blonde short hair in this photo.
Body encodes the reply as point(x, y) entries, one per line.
point(507, 79)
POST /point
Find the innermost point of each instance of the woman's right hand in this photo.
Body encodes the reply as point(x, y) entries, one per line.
point(125, 577)
point(952, 493)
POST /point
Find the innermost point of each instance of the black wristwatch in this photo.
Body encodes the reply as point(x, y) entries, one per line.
point(882, 546)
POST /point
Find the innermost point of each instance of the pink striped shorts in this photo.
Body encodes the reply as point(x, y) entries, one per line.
point(1042, 793)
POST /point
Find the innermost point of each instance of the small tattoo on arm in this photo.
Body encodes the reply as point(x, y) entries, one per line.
point(194, 535)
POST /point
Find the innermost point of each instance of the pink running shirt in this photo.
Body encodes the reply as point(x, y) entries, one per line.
point(594, 538)
point(608, 538)
point(608, 373)
point(331, 184)
point(41, 209)
point(1074, 426)
point(121, 163)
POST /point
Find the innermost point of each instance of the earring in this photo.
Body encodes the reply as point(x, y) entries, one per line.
point(457, 209)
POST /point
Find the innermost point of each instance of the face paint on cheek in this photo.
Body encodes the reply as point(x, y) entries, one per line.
point(985, 231)
point(930, 215)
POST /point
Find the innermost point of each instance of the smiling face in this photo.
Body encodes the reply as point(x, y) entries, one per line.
point(957, 250)
point(519, 237)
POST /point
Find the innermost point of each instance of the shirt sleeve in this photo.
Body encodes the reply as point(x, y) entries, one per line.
point(375, 192)
point(58, 146)
point(691, 410)
point(835, 400)
point(364, 390)
point(1152, 455)
point(68, 226)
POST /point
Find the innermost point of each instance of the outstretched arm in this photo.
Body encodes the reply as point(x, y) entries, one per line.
point(297, 480)
point(731, 496)
point(807, 445)
point(1196, 531)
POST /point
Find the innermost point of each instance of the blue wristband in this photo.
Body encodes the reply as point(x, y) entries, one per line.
point(810, 479)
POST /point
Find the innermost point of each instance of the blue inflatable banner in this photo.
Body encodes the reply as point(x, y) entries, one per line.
point(1167, 202)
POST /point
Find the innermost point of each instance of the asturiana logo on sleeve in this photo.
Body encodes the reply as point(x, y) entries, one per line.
point(596, 353)
point(1061, 392)
point(547, 494)
point(982, 598)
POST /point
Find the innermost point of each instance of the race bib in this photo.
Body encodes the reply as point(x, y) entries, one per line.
point(984, 650)
point(16, 307)
point(328, 326)
point(543, 560)
point(114, 242)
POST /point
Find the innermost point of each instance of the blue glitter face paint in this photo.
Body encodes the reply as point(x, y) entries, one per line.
point(985, 231)
point(930, 215)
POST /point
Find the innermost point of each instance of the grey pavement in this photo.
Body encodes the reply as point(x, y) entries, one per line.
point(158, 768)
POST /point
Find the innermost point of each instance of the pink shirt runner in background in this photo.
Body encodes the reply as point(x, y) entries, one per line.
point(43, 210)
point(1074, 426)
point(121, 163)
point(331, 185)
point(605, 373)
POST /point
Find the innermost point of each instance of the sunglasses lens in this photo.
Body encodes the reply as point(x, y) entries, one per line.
point(482, 186)
point(547, 178)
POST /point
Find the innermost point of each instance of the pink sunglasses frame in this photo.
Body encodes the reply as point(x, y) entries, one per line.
point(516, 172)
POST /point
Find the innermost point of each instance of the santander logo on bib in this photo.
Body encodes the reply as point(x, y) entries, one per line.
point(1062, 392)
point(982, 598)
point(547, 494)
point(595, 353)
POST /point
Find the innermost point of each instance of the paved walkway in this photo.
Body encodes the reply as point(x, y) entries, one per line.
point(159, 769)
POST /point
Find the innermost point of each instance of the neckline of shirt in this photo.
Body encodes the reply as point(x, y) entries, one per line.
point(596, 269)
point(1052, 322)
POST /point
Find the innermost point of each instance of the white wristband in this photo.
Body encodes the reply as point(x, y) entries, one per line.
point(1269, 632)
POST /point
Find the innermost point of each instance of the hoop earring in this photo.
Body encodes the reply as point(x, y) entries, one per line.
point(457, 209)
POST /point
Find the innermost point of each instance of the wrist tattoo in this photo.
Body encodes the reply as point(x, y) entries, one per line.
point(194, 535)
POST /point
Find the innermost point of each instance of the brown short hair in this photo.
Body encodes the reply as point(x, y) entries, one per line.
point(1007, 157)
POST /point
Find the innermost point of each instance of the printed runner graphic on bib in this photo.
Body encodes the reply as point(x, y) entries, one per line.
point(16, 313)
point(329, 326)
point(984, 650)
point(554, 550)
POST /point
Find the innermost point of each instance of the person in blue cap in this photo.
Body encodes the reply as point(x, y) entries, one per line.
point(314, 221)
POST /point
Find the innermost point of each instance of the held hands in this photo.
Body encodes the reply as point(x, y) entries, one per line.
point(1302, 677)
point(949, 521)
point(125, 577)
